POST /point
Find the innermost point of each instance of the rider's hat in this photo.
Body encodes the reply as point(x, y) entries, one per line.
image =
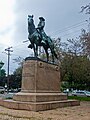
point(30, 16)
point(41, 18)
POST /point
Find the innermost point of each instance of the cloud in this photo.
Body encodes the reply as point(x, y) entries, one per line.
point(58, 14)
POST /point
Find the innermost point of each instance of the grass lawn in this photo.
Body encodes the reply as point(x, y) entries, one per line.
point(79, 98)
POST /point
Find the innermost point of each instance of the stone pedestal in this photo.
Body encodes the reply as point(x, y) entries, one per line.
point(40, 82)
point(39, 76)
point(40, 88)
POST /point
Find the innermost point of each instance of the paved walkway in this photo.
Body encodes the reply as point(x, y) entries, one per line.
point(81, 112)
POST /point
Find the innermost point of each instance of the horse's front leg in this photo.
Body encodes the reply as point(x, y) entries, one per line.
point(36, 50)
point(47, 56)
point(52, 58)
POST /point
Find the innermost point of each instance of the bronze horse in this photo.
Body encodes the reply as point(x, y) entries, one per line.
point(35, 40)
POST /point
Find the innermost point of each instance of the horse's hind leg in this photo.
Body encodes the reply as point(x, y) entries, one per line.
point(47, 54)
point(52, 56)
point(52, 52)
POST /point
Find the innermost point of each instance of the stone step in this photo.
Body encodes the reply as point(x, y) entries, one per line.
point(38, 106)
point(39, 97)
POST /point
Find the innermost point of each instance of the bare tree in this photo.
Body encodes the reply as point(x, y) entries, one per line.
point(86, 8)
point(85, 36)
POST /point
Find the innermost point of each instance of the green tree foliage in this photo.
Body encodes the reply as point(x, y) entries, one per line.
point(74, 58)
point(17, 77)
point(2, 77)
point(76, 71)
point(3, 73)
point(14, 81)
point(75, 65)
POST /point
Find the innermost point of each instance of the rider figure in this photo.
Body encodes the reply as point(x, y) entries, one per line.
point(40, 29)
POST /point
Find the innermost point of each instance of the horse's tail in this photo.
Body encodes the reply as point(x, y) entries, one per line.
point(55, 55)
point(52, 47)
point(54, 52)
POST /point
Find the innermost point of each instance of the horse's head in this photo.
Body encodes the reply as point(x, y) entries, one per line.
point(30, 19)
point(31, 26)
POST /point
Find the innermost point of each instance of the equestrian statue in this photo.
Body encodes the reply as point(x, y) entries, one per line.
point(38, 37)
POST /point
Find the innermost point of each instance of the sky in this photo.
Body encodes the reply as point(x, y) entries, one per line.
point(62, 17)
